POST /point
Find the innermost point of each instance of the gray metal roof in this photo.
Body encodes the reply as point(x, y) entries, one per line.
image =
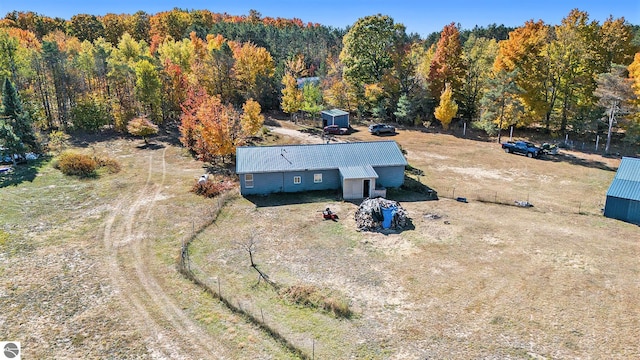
point(626, 183)
point(358, 172)
point(335, 112)
point(262, 159)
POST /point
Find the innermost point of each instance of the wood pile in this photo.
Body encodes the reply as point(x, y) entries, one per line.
point(369, 215)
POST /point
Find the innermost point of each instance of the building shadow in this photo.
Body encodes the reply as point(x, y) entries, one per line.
point(307, 197)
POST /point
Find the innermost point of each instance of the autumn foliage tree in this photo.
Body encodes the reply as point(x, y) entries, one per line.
point(218, 129)
point(143, 127)
point(527, 51)
point(447, 109)
point(447, 65)
point(251, 118)
point(212, 129)
point(292, 97)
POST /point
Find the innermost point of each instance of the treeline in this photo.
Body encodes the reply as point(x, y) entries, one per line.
point(185, 65)
point(578, 76)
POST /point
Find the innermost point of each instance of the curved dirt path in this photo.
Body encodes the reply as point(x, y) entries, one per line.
point(168, 332)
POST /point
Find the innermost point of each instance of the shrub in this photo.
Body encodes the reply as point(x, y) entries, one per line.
point(111, 165)
point(211, 187)
point(58, 140)
point(90, 114)
point(71, 163)
point(313, 297)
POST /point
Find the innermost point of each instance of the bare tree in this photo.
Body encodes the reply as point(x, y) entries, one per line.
point(614, 92)
point(250, 247)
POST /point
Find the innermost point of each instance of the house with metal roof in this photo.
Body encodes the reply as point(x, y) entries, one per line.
point(623, 196)
point(335, 117)
point(358, 168)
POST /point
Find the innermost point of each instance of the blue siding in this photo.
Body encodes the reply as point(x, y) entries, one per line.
point(623, 196)
point(634, 212)
point(390, 176)
point(622, 209)
point(265, 183)
point(340, 120)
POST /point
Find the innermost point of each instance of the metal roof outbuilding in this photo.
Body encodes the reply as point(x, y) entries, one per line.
point(623, 196)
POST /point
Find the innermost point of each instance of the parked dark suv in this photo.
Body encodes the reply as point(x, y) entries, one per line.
point(378, 129)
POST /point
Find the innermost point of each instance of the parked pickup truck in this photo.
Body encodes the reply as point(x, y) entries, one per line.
point(522, 147)
point(378, 129)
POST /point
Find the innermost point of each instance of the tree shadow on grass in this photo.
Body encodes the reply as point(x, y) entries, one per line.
point(572, 159)
point(21, 173)
point(150, 146)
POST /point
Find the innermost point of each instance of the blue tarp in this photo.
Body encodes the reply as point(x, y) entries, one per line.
point(387, 216)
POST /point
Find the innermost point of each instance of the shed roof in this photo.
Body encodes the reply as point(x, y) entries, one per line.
point(335, 112)
point(263, 159)
point(358, 172)
point(626, 183)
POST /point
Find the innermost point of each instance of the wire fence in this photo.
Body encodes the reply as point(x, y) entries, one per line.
point(518, 199)
point(298, 345)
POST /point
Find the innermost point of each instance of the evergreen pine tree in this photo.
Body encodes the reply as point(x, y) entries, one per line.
point(404, 110)
point(10, 141)
point(15, 117)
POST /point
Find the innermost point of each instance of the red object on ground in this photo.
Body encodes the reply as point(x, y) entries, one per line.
point(328, 215)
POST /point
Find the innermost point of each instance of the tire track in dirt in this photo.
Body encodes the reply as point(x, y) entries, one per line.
point(170, 333)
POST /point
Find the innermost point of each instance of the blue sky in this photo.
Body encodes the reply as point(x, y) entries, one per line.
point(419, 16)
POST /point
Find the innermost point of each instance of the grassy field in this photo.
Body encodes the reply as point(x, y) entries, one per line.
point(88, 266)
point(485, 279)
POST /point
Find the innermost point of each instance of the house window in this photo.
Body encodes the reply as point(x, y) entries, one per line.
point(248, 180)
point(317, 178)
point(297, 179)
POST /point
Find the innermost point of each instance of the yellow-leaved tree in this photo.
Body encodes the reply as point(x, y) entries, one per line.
point(251, 118)
point(291, 96)
point(447, 108)
point(633, 129)
point(143, 127)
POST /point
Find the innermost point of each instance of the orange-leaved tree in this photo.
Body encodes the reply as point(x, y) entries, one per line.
point(447, 65)
point(189, 121)
point(218, 130)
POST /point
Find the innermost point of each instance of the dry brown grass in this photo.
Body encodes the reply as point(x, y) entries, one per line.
point(88, 265)
point(557, 280)
point(479, 280)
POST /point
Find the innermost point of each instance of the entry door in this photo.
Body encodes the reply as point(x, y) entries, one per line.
point(365, 190)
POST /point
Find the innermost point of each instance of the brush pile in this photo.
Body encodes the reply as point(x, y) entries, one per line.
point(370, 215)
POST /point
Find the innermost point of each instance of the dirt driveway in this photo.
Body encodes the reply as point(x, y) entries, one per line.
point(89, 265)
